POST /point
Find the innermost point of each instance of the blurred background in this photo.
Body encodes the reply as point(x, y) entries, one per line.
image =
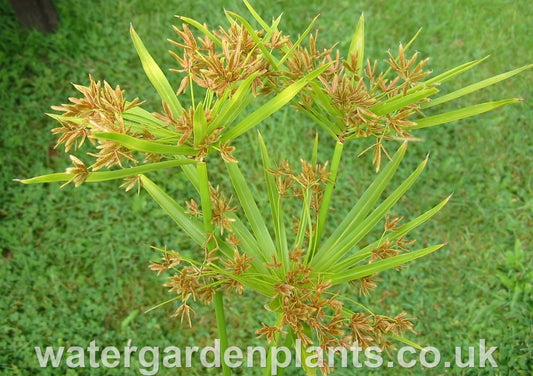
point(74, 262)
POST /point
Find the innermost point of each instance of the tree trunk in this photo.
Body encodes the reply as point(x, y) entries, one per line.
point(38, 14)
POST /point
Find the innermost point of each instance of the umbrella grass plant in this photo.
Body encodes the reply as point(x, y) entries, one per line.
point(286, 256)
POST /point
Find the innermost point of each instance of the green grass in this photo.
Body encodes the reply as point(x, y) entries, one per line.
point(74, 261)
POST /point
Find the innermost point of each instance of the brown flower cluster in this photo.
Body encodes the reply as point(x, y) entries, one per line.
point(306, 59)
point(192, 282)
point(170, 260)
point(188, 282)
point(306, 306)
point(231, 55)
point(218, 271)
point(345, 102)
point(99, 110)
point(308, 184)
point(200, 281)
point(314, 313)
point(220, 206)
point(372, 330)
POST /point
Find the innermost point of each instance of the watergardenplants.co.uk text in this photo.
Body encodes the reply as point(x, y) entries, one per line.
point(149, 360)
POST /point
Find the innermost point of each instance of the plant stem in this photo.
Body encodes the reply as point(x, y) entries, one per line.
point(326, 199)
point(205, 198)
point(290, 341)
point(221, 327)
point(276, 342)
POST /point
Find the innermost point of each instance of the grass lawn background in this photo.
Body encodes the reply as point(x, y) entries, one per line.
point(74, 262)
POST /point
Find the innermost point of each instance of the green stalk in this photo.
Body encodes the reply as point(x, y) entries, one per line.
point(205, 199)
point(221, 327)
point(305, 220)
point(209, 228)
point(324, 206)
point(276, 342)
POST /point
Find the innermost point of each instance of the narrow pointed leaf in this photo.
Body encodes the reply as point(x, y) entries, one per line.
point(69, 118)
point(412, 40)
point(199, 125)
point(462, 113)
point(352, 261)
point(175, 211)
point(335, 123)
point(326, 198)
point(235, 105)
point(273, 105)
point(358, 232)
point(448, 75)
point(205, 202)
point(474, 87)
point(156, 75)
point(411, 225)
point(314, 155)
point(147, 121)
point(382, 265)
point(401, 101)
point(252, 212)
point(109, 175)
point(361, 254)
point(259, 282)
point(192, 175)
point(249, 244)
point(48, 178)
point(357, 45)
point(256, 16)
point(405, 341)
point(221, 101)
point(145, 146)
point(321, 118)
point(362, 208)
point(275, 204)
